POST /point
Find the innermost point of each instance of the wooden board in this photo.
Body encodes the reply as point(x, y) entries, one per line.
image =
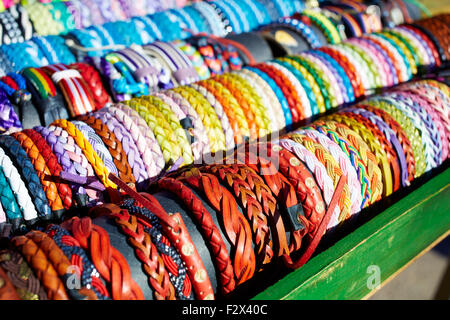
point(388, 241)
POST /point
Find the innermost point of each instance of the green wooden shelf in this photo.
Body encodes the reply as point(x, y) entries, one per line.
point(389, 241)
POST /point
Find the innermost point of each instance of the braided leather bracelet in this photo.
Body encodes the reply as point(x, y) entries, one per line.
point(130, 148)
point(332, 167)
point(143, 136)
point(236, 226)
point(60, 263)
point(12, 212)
point(208, 228)
point(15, 151)
point(114, 146)
point(208, 116)
point(52, 163)
point(7, 291)
point(22, 277)
point(146, 251)
point(232, 108)
point(253, 212)
point(109, 261)
point(43, 172)
point(43, 269)
point(200, 145)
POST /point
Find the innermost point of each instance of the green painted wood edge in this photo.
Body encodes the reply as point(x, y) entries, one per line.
point(389, 241)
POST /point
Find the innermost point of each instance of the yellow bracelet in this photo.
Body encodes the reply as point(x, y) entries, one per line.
point(209, 117)
point(89, 152)
point(174, 122)
point(163, 132)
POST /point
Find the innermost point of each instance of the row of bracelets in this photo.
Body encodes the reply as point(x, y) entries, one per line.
point(201, 231)
point(316, 26)
point(50, 169)
point(39, 95)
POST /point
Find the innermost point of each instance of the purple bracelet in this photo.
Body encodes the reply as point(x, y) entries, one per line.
point(128, 144)
point(8, 117)
point(390, 136)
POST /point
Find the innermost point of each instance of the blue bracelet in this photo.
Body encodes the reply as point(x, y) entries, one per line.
point(201, 23)
point(152, 27)
point(278, 93)
point(187, 19)
point(245, 18)
point(230, 15)
point(143, 30)
point(305, 84)
point(212, 18)
point(24, 55)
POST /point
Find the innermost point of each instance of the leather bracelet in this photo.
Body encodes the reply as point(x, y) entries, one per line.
point(7, 291)
point(253, 212)
point(43, 269)
point(209, 230)
point(114, 146)
point(332, 167)
point(42, 171)
point(130, 148)
point(60, 263)
point(226, 127)
point(26, 284)
point(387, 146)
point(175, 124)
point(143, 136)
point(208, 116)
point(181, 241)
point(200, 145)
point(376, 149)
point(161, 128)
point(109, 261)
point(9, 204)
point(93, 80)
point(266, 92)
point(85, 271)
point(152, 262)
point(12, 147)
point(88, 151)
point(369, 160)
point(236, 226)
point(232, 108)
point(430, 44)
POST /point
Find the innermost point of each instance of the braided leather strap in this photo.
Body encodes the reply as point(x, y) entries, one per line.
point(43, 269)
point(263, 89)
point(19, 189)
point(22, 277)
point(393, 148)
point(9, 203)
point(94, 82)
point(226, 127)
point(52, 163)
point(146, 252)
point(369, 159)
point(332, 167)
point(42, 170)
point(253, 210)
point(60, 262)
point(138, 128)
point(401, 137)
point(200, 145)
point(114, 146)
point(161, 128)
point(209, 230)
point(344, 163)
point(408, 127)
point(174, 122)
point(236, 226)
point(233, 110)
point(128, 144)
point(209, 118)
point(318, 169)
point(377, 149)
point(15, 151)
point(7, 291)
point(108, 260)
point(90, 154)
